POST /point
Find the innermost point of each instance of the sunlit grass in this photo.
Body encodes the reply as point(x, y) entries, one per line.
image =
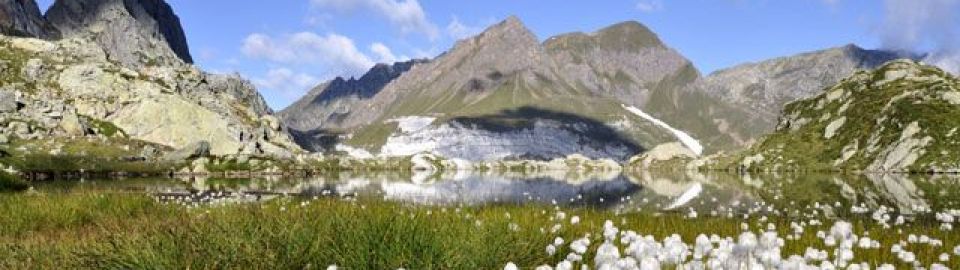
point(99, 230)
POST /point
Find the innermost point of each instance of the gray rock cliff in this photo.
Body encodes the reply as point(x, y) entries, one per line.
point(23, 18)
point(132, 32)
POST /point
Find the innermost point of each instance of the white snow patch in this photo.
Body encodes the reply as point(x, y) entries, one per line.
point(353, 151)
point(409, 124)
point(684, 138)
point(454, 140)
point(687, 196)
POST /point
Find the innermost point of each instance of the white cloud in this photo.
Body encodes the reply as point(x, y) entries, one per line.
point(337, 53)
point(912, 23)
point(286, 82)
point(458, 30)
point(408, 15)
point(649, 5)
point(924, 25)
point(383, 52)
point(262, 46)
point(322, 56)
point(948, 61)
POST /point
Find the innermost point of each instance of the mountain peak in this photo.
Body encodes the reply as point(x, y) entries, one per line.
point(626, 36)
point(128, 30)
point(513, 20)
point(626, 27)
point(629, 33)
point(510, 30)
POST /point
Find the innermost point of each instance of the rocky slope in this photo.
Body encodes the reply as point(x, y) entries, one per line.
point(502, 94)
point(132, 32)
point(121, 72)
point(23, 18)
point(70, 88)
point(902, 117)
point(765, 87)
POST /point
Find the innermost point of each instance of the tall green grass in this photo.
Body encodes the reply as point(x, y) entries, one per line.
point(128, 231)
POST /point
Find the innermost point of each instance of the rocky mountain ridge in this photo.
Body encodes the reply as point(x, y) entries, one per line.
point(765, 87)
point(23, 18)
point(338, 96)
point(901, 117)
point(490, 94)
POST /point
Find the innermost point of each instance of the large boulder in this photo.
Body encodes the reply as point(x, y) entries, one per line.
point(173, 121)
point(72, 124)
point(8, 101)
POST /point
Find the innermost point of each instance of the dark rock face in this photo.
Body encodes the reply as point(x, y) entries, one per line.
point(22, 18)
point(133, 32)
point(368, 85)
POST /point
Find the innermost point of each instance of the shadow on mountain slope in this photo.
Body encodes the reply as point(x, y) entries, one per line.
point(593, 132)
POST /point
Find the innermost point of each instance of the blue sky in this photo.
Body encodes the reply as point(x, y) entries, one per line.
point(288, 46)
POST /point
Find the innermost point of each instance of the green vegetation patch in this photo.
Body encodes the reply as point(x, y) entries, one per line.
point(58, 156)
point(10, 182)
point(97, 230)
point(104, 127)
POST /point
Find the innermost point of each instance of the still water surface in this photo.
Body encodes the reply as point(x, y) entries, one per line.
point(636, 191)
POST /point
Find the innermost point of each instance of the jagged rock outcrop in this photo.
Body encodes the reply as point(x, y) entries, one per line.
point(763, 88)
point(70, 88)
point(132, 32)
point(504, 95)
point(22, 18)
point(901, 117)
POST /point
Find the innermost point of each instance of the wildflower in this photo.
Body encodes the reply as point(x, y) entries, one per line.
point(580, 245)
point(551, 249)
point(607, 255)
point(938, 266)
